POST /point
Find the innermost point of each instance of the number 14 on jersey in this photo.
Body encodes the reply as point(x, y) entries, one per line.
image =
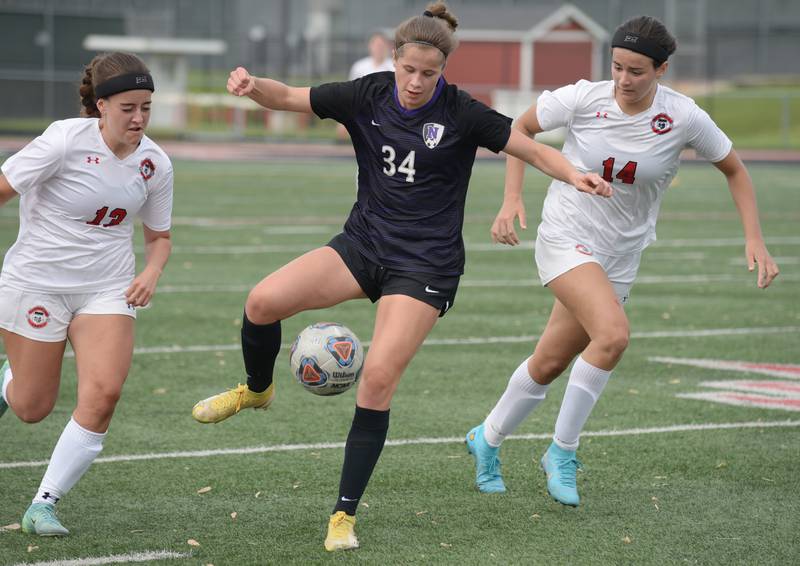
point(627, 174)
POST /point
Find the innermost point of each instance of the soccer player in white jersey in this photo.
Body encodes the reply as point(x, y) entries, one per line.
point(71, 275)
point(631, 130)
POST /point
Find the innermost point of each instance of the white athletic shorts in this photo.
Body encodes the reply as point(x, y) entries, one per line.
point(46, 317)
point(554, 258)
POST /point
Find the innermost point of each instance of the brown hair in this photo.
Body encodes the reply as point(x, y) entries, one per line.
point(435, 29)
point(102, 68)
point(652, 29)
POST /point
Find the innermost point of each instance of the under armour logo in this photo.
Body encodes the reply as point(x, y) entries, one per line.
point(48, 495)
point(631, 38)
point(92, 159)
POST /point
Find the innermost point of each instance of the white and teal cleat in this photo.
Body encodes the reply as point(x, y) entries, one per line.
point(40, 519)
point(488, 478)
point(561, 467)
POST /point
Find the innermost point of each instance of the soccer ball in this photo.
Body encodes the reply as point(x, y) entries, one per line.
point(326, 358)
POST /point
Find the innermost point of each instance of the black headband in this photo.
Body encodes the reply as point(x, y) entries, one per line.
point(640, 44)
point(426, 14)
point(121, 83)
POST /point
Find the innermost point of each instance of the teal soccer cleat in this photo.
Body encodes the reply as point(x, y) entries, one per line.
point(488, 478)
point(3, 404)
point(40, 519)
point(561, 467)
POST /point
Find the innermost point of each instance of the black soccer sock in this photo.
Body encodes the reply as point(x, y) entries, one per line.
point(261, 344)
point(361, 452)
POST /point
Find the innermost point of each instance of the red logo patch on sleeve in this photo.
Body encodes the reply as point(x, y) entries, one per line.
point(147, 169)
point(661, 124)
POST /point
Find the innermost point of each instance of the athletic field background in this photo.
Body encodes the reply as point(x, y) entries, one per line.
point(674, 472)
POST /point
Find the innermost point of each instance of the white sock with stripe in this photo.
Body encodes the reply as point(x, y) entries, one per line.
point(521, 396)
point(7, 377)
point(586, 383)
point(75, 451)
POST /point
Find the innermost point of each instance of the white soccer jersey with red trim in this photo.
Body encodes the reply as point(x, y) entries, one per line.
point(77, 205)
point(639, 154)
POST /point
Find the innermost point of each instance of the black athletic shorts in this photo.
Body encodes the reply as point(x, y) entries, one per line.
point(377, 281)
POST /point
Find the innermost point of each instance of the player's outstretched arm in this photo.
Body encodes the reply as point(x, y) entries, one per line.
point(744, 195)
point(271, 94)
point(551, 162)
point(6, 190)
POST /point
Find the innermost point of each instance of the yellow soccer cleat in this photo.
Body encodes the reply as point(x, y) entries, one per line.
point(219, 407)
point(341, 532)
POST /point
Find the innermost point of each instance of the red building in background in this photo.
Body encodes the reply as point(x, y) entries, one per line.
point(524, 49)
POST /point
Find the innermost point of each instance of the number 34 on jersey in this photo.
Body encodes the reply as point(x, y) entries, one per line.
point(406, 166)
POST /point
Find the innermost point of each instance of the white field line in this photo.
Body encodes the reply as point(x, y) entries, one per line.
point(111, 559)
point(780, 389)
point(473, 247)
point(482, 340)
point(411, 442)
point(470, 247)
point(736, 399)
point(742, 278)
point(766, 368)
point(658, 244)
point(780, 260)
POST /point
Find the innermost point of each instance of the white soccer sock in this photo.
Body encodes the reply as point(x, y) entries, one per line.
point(7, 377)
point(74, 452)
point(586, 383)
point(521, 396)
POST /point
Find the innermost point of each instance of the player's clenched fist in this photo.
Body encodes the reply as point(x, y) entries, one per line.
point(593, 183)
point(240, 82)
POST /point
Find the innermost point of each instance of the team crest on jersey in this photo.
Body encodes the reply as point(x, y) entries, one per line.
point(38, 317)
point(432, 134)
point(661, 124)
point(147, 169)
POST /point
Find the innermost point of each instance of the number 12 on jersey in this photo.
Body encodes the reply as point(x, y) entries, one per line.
point(627, 174)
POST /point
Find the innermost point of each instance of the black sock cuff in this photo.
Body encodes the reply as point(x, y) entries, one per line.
point(370, 419)
point(259, 329)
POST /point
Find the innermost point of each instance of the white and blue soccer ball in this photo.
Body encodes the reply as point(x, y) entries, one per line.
point(326, 358)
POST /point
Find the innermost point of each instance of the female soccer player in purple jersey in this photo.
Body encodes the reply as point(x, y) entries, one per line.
point(71, 273)
point(631, 130)
point(415, 139)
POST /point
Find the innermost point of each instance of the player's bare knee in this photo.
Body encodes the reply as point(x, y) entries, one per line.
point(100, 400)
point(32, 411)
point(378, 384)
point(260, 308)
point(106, 400)
point(614, 341)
